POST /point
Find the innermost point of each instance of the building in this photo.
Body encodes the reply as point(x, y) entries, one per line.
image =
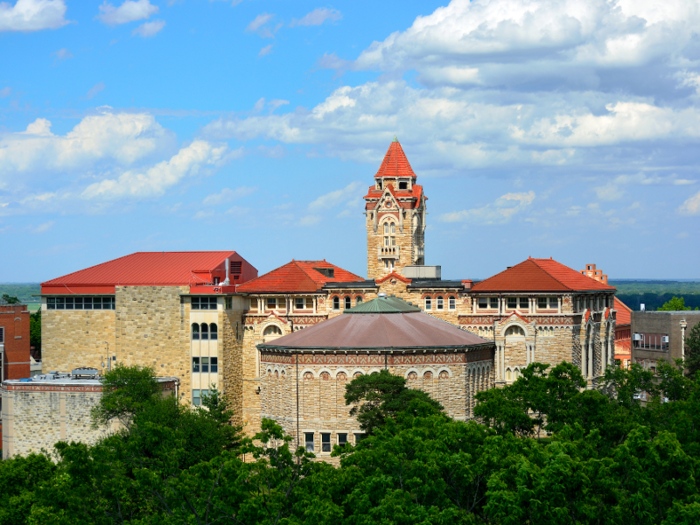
point(623, 333)
point(37, 413)
point(173, 311)
point(14, 341)
point(660, 336)
point(182, 314)
point(304, 373)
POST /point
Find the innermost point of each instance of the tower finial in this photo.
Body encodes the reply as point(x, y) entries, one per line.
point(395, 139)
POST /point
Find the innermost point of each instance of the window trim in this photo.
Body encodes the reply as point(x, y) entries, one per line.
point(336, 302)
point(326, 443)
point(348, 302)
point(452, 302)
point(195, 331)
point(428, 303)
point(312, 442)
point(440, 303)
point(213, 332)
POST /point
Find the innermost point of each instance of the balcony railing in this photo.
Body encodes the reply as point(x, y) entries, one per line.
point(388, 252)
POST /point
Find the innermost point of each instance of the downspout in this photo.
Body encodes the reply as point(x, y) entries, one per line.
point(297, 356)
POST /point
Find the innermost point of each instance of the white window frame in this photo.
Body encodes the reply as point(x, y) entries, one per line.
point(428, 303)
point(452, 302)
point(312, 442)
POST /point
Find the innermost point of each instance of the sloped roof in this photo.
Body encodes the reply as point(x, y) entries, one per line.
point(395, 163)
point(146, 268)
point(540, 275)
point(400, 331)
point(297, 276)
point(383, 305)
point(624, 313)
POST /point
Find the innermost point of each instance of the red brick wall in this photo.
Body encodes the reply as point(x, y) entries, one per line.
point(14, 318)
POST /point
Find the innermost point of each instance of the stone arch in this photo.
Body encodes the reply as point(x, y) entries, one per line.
point(356, 372)
point(271, 331)
point(325, 374)
point(374, 371)
point(411, 371)
point(509, 374)
point(339, 371)
point(303, 374)
point(444, 373)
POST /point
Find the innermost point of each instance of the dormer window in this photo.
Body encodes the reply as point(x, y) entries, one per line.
point(328, 272)
point(379, 185)
point(403, 185)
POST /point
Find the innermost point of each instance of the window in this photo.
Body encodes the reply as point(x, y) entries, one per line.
point(309, 303)
point(541, 302)
point(299, 303)
point(386, 228)
point(494, 302)
point(80, 303)
point(358, 300)
point(271, 303)
point(195, 364)
point(453, 302)
point(195, 332)
point(197, 396)
point(2, 334)
point(440, 303)
point(271, 332)
point(389, 264)
point(512, 303)
point(325, 442)
point(509, 375)
point(336, 303)
point(342, 439)
point(515, 331)
point(348, 302)
point(359, 437)
point(483, 302)
point(309, 441)
point(253, 304)
point(205, 331)
point(236, 267)
point(428, 303)
point(379, 185)
point(393, 229)
point(403, 185)
point(213, 332)
point(204, 303)
point(205, 365)
point(524, 303)
point(228, 303)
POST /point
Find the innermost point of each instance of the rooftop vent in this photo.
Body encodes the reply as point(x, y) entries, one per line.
point(423, 272)
point(84, 373)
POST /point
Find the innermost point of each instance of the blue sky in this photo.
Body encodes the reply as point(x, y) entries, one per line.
point(538, 128)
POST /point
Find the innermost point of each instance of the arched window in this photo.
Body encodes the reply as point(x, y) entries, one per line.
point(356, 375)
point(358, 300)
point(440, 303)
point(386, 228)
point(308, 376)
point(271, 333)
point(452, 302)
point(517, 373)
point(342, 376)
point(283, 375)
point(213, 332)
point(348, 302)
point(205, 331)
point(336, 303)
point(509, 375)
point(443, 375)
point(412, 376)
point(428, 375)
point(515, 331)
point(195, 331)
point(428, 303)
point(325, 376)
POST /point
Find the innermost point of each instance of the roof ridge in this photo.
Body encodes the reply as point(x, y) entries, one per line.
point(545, 271)
point(88, 268)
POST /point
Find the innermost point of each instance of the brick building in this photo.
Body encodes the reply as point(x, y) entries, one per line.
point(182, 314)
point(14, 341)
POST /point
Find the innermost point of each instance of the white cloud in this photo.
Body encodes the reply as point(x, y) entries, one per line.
point(62, 54)
point(691, 206)
point(42, 228)
point(336, 198)
point(265, 51)
point(499, 212)
point(615, 189)
point(129, 11)
point(32, 15)
point(317, 17)
point(149, 29)
point(188, 162)
point(5, 92)
point(309, 220)
point(120, 139)
point(94, 90)
point(258, 26)
point(227, 195)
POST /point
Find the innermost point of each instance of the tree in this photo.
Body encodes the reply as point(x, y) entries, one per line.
point(10, 299)
point(381, 396)
point(35, 330)
point(675, 304)
point(692, 350)
point(126, 390)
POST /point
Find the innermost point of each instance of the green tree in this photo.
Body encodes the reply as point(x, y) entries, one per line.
point(675, 304)
point(126, 390)
point(10, 299)
point(35, 330)
point(692, 350)
point(381, 396)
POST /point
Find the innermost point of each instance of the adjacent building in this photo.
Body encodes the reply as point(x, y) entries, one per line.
point(660, 336)
point(14, 341)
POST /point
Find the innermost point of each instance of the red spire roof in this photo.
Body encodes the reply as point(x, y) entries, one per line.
point(395, 163)
point(297, 276)
point(539, 275)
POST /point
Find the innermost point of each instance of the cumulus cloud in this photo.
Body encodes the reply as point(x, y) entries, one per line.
point(317, 17)
point(32, 15)
point(154, 181)
point(227, 195)
point(500, 211)
point(129, 11)
point(120, 139)
point(149, 29)
point(691, 206)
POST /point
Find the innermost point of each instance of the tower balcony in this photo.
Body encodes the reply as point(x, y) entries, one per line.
point(388, 252)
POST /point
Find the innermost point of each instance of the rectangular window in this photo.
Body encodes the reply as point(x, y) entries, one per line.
point(542, 302)
point(196, 397)
point(271, 303)
point(299, 303)
point(2, 334)
point(80, 303)
point(236, 267)
point(342, 439)
point(214, 365)
point(69, 303)
point(87, 303)
point(253, 304)
point(453, 303)
point(309, 441)
point(204, 303)
point(205, 364)
point(228, 303)
point(553, 303)
point(483, 303)
point(494, 303)
point(195, 364)
point(359, 437)
point(325, 442)
point(309, 303)
point(512, 303)
point(524, 303)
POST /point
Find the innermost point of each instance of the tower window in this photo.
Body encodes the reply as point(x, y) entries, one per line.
point(379, 184)
point(393, 228)
point(403, 185)
point(388, 264)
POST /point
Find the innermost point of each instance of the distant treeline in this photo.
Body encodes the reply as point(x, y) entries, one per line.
point(653, 294)
point(23, 291)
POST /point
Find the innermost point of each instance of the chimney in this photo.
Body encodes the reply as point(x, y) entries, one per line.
point(467, 284)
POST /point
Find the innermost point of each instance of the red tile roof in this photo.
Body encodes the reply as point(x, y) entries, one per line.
point(395, 163)
point(624, 313)
point(297, 276)
point(539, 275)
point(142, 269)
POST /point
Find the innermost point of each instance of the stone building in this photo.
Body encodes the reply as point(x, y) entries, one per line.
point(660, 336)
point(39, 412)
point(304, 373)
